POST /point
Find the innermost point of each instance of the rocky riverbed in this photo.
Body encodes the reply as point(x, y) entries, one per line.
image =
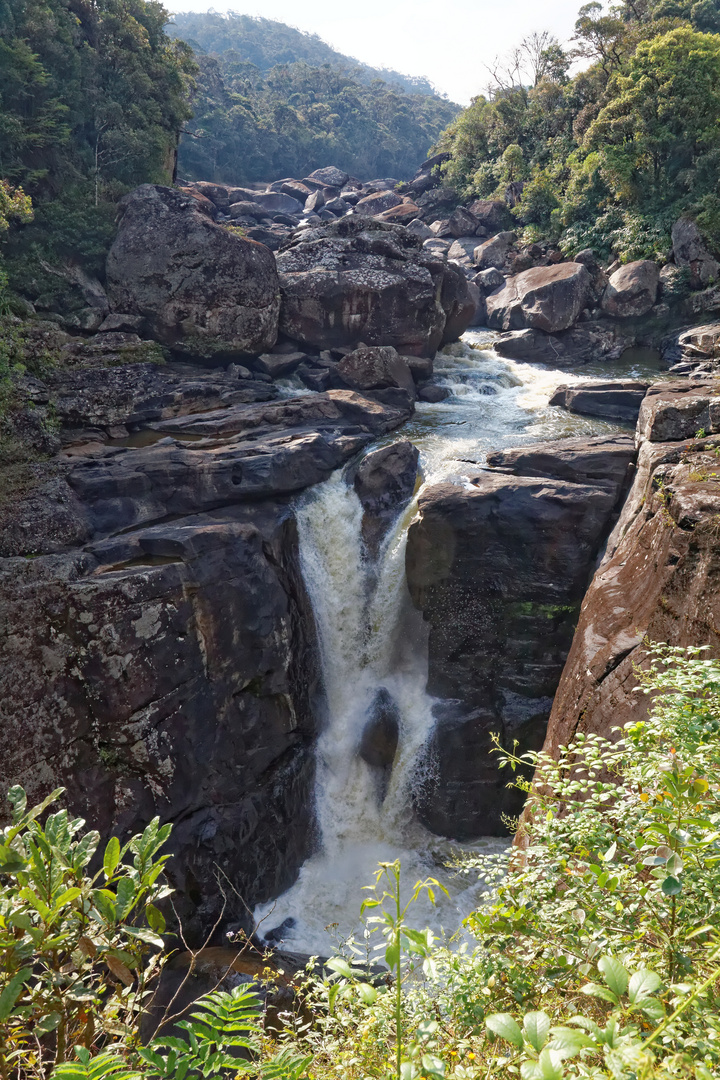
point(163, 640)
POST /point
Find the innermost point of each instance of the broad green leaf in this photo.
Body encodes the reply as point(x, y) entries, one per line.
point(506, 1027)
point(643, 983)
point(10, 860)
point(550, 1065)
point(595, 990)
point(671, 886)
point(155, 918)
point(125, 893)
point(111, 857)
point(432, 1065)
point(614, 974)
point(567, 1042)
point(536, 1027)
point(368, 993)
point(48, 1023)
point(12, 992)
point(392, 956)
point(408, 1071)
point(341, 966)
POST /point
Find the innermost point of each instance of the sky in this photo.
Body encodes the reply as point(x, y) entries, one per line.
point(448, 41)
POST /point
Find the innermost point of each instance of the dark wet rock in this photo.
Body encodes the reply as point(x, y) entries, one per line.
point(203, 291)
point(138, 394)
point(679, 410)
point(278, 364)
point(548, 298)
point(583, 342)
point(609, 400)
point(275, 449)
point(603, 459)
point(690, 250)
point(432, 393)
point(499, 573)
point(379, 740)
point(632, 290)
point(170, 671)
point(659, 581)
point(360, 280)
point(377, 202)
point(385, 482)
point(375, 368)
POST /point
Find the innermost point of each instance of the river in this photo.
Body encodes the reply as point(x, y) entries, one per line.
point(371, 639)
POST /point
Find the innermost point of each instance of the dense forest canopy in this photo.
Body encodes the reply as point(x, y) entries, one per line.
point(612, 157)
point(92, 97)
point(267, 43)
point(271, 101)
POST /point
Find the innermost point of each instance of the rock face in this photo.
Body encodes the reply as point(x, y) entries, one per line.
point(690, 250)
point(548, 298)
point(632, 290)
point(660, 579)
point(375, 369)
point(498, 573)
point(385, 482)
point(680, 410)
point(608, 400)
point(170, 671)
point(202, 291)
point(157, 654)
point(360, 280)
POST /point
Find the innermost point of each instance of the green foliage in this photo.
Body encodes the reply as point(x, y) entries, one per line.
point(615, 155)
point(76, 950)
point(269, 103)
point(92, 98)
point(265, 44)
point(596, 953)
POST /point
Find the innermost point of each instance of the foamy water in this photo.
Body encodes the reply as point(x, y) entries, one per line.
point(371, 638)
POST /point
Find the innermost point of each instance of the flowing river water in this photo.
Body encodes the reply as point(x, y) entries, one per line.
point(371, 641)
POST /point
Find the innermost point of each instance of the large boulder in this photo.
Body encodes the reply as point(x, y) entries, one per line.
point(690, 250)
point(616, 400)
point(361, 280)
point(493, 253)
point(679, 410)
point(203, 291)
point(498, 568)
point(375, 368)
point(492, 215)
point(582, 342)
point(385, 482)
point(330, 177)
point(632, 290)
point(378, 203)
point(546, 298)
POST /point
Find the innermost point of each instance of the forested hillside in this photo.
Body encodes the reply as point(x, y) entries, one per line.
point(271, 101)
point(610, 158)
point(92, 98)
point(266, 43)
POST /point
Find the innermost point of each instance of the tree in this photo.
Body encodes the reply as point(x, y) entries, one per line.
point(662, 119)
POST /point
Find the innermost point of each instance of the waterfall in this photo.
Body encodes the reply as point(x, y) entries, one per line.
point(371, 643)
point(372, 649)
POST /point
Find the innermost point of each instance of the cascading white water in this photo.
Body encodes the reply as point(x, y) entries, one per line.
point(361, 609)
point(370, 639)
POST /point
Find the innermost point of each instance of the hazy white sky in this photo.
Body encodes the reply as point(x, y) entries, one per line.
point(446, 40)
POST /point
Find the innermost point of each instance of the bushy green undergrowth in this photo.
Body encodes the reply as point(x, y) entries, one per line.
point(596, 953)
